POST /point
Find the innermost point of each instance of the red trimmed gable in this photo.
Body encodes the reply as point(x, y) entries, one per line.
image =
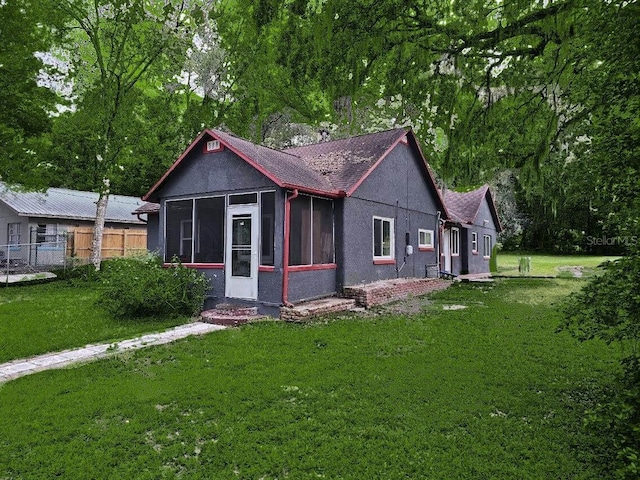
point(464, 206)
point(331, 169)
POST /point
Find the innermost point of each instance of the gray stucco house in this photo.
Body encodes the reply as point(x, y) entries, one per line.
point(470, 232)
point(273, 227)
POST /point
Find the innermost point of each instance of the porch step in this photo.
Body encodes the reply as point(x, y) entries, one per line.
point(231, 315)
point(307, 310)
point(232, 309)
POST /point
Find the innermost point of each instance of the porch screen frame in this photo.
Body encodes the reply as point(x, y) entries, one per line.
point(309, 232)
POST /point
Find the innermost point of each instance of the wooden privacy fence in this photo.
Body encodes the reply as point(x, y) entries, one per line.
point(116, 242)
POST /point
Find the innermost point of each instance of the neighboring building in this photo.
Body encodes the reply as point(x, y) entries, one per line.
point(470, 232)
point(34, 225)
point(278, 227)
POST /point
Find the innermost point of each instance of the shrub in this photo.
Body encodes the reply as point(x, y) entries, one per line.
point(141, 287)
point(77, 272)
point(493, 260)
point(607, 308)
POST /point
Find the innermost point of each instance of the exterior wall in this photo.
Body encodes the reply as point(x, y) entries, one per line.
point(7, 216)
point(223, 173)
point(153, 233)
point(205, 173)
point(398, 188)
point(478, 263)
point(311, 284)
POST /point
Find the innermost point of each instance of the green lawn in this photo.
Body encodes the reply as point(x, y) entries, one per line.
point(551, 265)
point(55, 316)
point(490, 391)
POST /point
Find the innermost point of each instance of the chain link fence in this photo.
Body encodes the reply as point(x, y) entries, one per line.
point(34, 256)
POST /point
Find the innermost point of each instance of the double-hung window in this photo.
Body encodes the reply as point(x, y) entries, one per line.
point(474, 242)
point(13, 233)
point(383, 239)
point(487, 246)
point(455, 242)
point(425, 239)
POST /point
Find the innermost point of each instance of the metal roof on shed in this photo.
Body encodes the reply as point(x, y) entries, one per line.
point(69, 204)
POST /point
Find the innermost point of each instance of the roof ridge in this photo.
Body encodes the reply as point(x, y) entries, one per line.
point(346, 138)
point(215, 130)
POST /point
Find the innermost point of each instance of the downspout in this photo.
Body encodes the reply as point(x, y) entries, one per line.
point(285, 253)
point(439, 233)
point(141, 219)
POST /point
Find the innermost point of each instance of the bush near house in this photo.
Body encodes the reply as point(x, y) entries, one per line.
point(136, 287)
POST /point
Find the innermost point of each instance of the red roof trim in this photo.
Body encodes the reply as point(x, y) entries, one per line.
point(433, 180)
point(313, 191)
point(308, 268)
point(174, 166)
point(375, 165)
point(492, 207)
point(250, 161)
point(484, 196)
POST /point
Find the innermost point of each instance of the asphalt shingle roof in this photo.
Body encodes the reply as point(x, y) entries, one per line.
point(285, 167)
point(69, 204)
point(343, 163)
point(333, 168)
point(463, 207)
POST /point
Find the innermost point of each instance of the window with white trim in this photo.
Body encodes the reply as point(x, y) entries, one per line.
point(13, 233)
point(487, 246)
point(383, 239)
point(425, 239)
point(455, 242)
point(213, 145)
point(474, 242)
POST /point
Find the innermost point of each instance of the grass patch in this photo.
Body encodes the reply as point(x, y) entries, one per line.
point(54, 316)
point(564, 266)
point(490, 391)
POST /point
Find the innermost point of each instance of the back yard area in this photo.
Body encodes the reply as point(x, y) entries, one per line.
point(491, 390)
point(567, 266)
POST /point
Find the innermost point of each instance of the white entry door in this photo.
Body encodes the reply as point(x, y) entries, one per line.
point(241, 256)
point(446, 249)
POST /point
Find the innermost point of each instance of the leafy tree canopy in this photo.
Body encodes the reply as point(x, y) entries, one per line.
point(25, 103)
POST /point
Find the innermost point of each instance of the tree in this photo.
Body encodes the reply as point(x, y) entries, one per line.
point(118, 48)
point(489, 86)
point(25, 103)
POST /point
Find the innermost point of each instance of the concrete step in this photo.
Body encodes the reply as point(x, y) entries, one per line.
point(307, 310)
point(235, 310)
point(231, 315)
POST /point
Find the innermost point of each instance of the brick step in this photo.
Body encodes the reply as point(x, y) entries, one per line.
point(225, 318)
point(230, 309)
point(307, 310)
point(386, 291)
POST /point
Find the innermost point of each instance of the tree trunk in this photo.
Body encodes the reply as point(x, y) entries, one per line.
point(98, 227)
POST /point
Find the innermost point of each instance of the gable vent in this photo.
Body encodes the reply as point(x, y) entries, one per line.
point(213, 145)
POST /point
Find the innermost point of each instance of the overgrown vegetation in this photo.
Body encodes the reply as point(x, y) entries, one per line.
point(135, 287)
point(608, 309)
point(386, 396)
point(36, 319)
